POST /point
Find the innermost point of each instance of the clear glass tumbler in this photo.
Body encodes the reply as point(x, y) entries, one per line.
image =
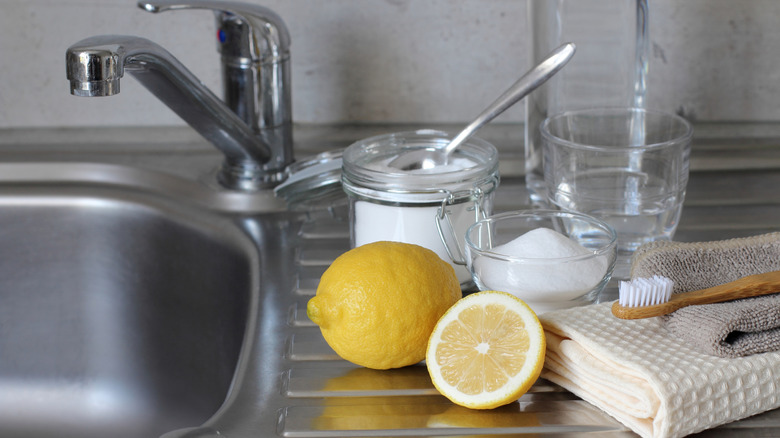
point(609, 68)
point(627, 166)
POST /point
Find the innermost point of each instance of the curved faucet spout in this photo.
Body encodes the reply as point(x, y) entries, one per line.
point(96, 64)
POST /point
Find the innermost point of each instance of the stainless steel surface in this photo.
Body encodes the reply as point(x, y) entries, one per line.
point(255, 46)
point(167, 79)
point(429, 158)
point(153, 276)
point(122, 313)
point(254, 129)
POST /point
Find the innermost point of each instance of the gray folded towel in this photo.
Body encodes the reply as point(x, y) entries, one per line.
point(730, 329)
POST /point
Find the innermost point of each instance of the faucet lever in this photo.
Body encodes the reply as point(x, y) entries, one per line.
point(255, 47)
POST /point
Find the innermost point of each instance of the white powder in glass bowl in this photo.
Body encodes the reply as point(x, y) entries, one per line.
point(534, 280)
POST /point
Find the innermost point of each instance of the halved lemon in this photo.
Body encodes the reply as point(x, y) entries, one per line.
point(486, 350)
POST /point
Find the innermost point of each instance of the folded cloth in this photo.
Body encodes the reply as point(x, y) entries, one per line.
point(729, 329)
point(648, 379)
point(698, 265)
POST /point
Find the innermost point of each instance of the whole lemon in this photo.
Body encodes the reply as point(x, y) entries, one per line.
point(377, 304)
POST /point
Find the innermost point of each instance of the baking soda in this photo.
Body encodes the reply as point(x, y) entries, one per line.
point(539, 284)
point(409, 224)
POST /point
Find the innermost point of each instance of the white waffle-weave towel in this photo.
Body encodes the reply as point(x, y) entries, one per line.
point(655, 384)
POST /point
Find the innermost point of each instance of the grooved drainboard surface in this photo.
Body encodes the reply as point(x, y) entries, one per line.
point(329, 397)
point(325, 396)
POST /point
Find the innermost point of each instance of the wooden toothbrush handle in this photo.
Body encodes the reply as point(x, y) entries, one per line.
point(746, 287)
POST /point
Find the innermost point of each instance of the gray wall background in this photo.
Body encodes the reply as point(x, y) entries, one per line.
point(395, 61)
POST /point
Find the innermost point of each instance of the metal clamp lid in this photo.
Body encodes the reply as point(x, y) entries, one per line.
point(446, 228)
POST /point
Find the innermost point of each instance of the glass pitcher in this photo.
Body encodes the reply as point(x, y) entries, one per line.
point(608, 70)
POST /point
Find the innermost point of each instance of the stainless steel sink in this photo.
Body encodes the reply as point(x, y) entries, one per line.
point(122, 311)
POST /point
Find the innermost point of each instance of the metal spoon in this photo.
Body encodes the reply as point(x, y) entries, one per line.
point(429, 158)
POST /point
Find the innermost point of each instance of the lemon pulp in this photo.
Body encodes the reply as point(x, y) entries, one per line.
point(486, 351)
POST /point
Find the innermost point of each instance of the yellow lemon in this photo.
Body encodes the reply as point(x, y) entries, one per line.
point(486, 351)
point(377, 304)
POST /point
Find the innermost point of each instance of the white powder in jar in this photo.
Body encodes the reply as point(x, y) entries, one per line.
point(409, 223)
point(377, 222)
point(543, 286)
point(453, 164)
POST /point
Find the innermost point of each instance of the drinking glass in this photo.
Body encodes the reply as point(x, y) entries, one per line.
point(627, 166)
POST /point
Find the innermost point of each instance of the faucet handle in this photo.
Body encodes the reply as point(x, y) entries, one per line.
point(246, 32)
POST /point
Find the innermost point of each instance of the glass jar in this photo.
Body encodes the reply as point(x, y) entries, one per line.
point(428, 207)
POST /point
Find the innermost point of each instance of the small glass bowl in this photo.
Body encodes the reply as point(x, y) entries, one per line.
point(544, 269)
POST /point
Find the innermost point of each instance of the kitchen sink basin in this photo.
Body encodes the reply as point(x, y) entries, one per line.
point(122, 311)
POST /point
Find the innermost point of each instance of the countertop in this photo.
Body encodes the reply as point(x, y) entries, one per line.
point(302, 389)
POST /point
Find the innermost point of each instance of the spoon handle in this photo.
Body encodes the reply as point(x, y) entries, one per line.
point(530, 81)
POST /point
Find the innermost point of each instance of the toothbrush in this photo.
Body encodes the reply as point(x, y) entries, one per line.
point(648, 297)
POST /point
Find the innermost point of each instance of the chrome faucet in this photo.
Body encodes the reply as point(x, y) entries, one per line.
point(252, 127)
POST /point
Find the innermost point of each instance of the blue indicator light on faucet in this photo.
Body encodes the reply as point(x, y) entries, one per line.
point(221, 36)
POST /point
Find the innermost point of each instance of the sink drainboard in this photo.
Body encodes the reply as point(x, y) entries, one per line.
point(329, 397)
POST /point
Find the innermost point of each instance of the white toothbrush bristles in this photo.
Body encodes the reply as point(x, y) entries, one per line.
point(645, 291)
